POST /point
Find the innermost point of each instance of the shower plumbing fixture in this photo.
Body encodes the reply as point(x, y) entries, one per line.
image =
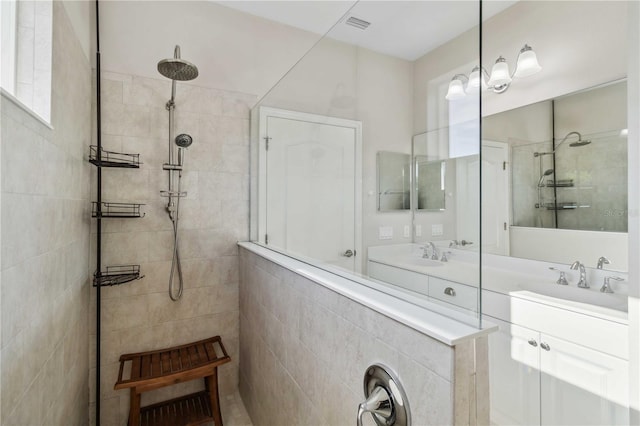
point(540, 185)
point(176, 69)
point(579, 142)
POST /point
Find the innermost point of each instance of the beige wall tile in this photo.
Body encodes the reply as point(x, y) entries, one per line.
point(45, 240)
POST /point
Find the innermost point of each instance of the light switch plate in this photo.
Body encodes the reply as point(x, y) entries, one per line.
point(418, 230)
point(437, 230)
point(385, 233)
point(407, 231)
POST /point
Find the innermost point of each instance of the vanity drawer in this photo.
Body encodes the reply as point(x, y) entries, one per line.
point(406, 279)
point(454, 293)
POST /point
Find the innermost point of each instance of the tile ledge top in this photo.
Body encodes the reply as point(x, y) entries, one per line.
point(440, 327)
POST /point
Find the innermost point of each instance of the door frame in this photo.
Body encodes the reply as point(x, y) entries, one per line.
point(266, 112)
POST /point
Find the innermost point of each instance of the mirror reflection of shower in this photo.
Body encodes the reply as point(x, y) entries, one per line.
point(553, 183)
point(176, 69)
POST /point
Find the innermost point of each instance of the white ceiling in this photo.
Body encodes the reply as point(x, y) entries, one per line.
point(404, 29)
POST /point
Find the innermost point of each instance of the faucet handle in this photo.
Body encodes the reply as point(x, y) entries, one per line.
point(454, 244)
point(562, 279)
point(606, 287)
point(445, 256)
point(603, 261)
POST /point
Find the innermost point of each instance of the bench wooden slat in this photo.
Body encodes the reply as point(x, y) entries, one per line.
point(184, 358)
point(211, 351)
point(135, 368)
point(202, 354)
point(145, 370)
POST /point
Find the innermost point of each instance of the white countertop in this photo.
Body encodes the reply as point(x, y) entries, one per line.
point(531, 280)
point(428, 321)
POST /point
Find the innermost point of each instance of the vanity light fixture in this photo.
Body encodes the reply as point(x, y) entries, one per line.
point(500, 78)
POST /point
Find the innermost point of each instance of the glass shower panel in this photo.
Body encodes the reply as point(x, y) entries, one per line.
point(376, 85)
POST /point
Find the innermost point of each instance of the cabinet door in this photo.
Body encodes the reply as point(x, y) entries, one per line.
point(514, 375)
point(580, 386)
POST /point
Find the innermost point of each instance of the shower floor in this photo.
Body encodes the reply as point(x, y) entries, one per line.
point(233, 411)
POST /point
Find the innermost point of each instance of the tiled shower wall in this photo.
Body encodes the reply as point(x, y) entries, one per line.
point(305, 350)
point(45, 246)
point(139, 315)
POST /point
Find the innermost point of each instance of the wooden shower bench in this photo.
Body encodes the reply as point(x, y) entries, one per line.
point(151, 370)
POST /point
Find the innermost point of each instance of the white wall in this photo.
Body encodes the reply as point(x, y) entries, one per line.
point(234, 51)
point(379, 90)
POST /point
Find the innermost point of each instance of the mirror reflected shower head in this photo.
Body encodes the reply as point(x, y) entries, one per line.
point(545, 174)
point(579, 142)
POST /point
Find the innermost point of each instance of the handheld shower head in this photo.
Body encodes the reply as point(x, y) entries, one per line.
point(545, 174)
point(183, 140)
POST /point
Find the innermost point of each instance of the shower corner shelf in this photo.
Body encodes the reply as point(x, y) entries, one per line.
point(560, 183)
point(113, 159)
point(570, 205)
point(116, 275)
point(116, 210)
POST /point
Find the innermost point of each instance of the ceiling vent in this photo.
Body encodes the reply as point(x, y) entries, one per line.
point(358, 23)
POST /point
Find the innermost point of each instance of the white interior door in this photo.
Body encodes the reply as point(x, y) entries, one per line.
point(312, 190)
point(495, 198)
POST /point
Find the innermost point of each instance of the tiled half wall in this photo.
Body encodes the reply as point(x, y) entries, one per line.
point(304, 350)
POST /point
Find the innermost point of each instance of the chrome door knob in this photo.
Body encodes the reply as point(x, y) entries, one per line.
point(349, 253)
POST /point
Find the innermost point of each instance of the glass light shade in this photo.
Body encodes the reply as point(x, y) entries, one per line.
point(527, 63)
point(499, 73)
point(456, 90)
point(476, 79)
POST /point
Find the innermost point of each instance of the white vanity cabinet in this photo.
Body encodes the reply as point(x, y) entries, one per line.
point(581, 386)
point(514, 366)
point(454, 295)
point(543, 374)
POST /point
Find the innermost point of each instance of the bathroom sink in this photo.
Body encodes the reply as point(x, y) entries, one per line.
point(420, 261)
point(591, 296)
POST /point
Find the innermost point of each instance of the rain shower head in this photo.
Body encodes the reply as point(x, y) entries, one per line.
point(579, 142)
point(183, 140)
point(176, 68)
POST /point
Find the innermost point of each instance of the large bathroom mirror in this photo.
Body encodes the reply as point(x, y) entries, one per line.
point(568, 160)
point(394, 181)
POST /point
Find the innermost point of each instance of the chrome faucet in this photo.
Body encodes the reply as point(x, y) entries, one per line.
point(606, 287)
point(583, 274)
point(603, 261)
point(434, 251)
